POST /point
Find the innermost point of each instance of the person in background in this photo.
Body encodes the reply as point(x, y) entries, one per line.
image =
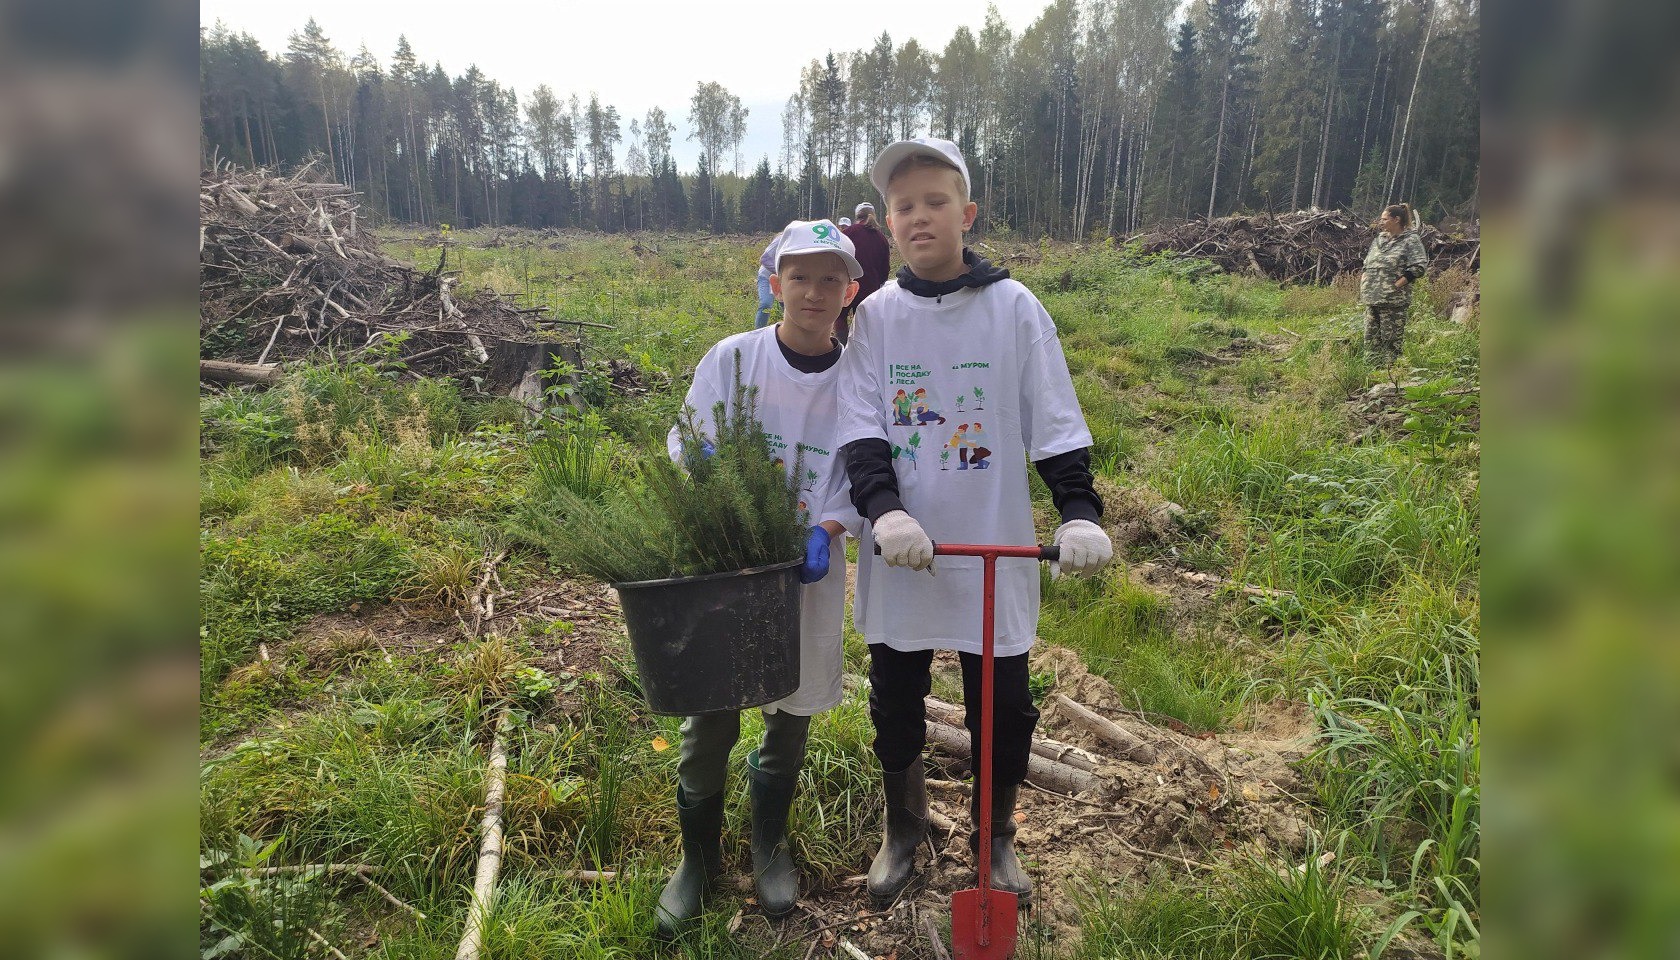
point(845, 222)
point(875, 258)
point(766, 267)
point(1395, 261)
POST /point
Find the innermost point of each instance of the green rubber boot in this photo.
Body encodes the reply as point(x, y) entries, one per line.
point(702, 860)
point(774, 877)
point(905, 830)
point(1007, 873)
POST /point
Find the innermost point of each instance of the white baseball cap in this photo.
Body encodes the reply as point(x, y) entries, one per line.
point(895, 154)
point(817, 236)
point(866, 205)
point(846, 222)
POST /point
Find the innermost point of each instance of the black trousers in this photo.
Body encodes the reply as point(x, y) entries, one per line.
point(897, 683)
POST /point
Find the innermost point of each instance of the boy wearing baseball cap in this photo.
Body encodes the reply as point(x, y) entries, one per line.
point(793, 367)
point(954, 325)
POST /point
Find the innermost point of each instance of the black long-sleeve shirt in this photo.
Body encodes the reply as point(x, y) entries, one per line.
point(875, 485)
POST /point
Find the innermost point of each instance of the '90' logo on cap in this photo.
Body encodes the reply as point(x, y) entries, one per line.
point(821, 230)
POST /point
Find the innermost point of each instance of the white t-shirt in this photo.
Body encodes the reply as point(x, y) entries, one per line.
point(966, 388)
point(798, 413)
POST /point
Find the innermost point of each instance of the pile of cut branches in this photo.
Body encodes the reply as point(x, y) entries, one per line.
point(1307, 246)
point(286, 271)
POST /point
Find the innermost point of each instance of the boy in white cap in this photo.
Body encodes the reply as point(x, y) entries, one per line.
point(953, 324)
point(793, 366)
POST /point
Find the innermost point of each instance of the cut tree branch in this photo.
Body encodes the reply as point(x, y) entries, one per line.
point(1107, 730)
point(489, 848)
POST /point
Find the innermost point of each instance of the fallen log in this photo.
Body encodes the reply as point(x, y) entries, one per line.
point(226, 371)
point(954, 742)
point(1106, 730)
point(489, 848)
point(1042, 746)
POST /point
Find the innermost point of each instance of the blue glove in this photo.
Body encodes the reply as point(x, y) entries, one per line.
point(816, 556)
point(706, 449)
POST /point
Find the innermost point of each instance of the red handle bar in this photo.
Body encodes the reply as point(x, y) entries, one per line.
point(991, 550)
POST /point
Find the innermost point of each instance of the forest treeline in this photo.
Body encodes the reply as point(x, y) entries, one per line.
point(1102, 116)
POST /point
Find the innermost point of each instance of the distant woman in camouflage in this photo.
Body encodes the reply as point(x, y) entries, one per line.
point(1394, 262)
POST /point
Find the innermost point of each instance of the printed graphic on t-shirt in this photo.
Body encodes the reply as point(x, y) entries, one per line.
point(778, 448)
point(970, 443)
point(810, 461)
point(912, 403)
point(813, 457)
point(907, 452)
point(914, 408)
point(943, 405)
point(971, 397)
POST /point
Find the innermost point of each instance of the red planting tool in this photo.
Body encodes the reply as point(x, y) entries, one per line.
point(983, 920)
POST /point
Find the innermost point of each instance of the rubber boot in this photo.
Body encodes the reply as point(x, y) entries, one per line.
point(1007, 874)
point(774, 878)
point(702, 860)
point(906, 829)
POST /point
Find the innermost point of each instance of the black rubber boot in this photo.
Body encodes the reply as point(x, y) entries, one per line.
point(1007, 874)
point(702, 860)
point(906, 829)
point(774, 878)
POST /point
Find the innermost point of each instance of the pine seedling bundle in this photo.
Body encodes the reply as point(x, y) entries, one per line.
point(732, 508)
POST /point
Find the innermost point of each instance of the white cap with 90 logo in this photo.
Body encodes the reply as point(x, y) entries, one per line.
point(817, 236)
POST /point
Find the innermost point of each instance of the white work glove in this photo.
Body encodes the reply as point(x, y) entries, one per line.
point(1085, 549)
point(903, 542)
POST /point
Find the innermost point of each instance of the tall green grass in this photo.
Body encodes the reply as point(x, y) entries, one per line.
point(1329, 519)
point(1402, 779)
point(1129, 635)
point(1252, 909)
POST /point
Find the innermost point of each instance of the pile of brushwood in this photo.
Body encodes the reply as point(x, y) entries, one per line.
point(1307, 246)
point(286, 271)
point(725, 506)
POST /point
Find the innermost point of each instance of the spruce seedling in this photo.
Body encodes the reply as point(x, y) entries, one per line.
point(726, 505)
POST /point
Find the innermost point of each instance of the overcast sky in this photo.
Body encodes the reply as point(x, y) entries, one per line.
point(635, 54)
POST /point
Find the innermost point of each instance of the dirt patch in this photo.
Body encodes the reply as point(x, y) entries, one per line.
point(1204, 795)
point(574, 627)
point(1138, 519)
point(574, 624)
point(391, 630)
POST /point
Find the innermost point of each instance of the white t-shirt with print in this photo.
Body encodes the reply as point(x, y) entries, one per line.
point(965, 388)
point(798, 412)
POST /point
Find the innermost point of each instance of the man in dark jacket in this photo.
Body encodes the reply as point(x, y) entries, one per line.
point(873, 255)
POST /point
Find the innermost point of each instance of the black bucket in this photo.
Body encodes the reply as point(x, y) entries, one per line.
point(725, 641)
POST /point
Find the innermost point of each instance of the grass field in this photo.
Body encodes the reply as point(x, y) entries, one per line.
point(348, 514)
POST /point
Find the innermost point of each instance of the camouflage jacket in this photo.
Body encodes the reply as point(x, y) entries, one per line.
point(1387, 261)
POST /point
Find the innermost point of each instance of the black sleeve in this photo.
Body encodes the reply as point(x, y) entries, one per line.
point(874, 484)
point(1068, 475)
